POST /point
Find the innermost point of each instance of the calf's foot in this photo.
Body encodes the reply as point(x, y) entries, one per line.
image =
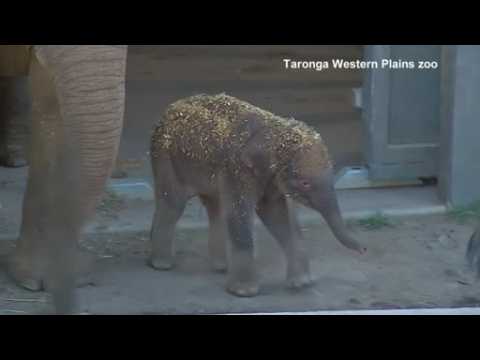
point(161, 263)
point(298, 274)
point(243, 282)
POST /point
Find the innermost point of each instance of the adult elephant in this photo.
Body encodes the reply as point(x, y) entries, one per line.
point(78, 100)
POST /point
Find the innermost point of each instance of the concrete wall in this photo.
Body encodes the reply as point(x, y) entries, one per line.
point(460, 125)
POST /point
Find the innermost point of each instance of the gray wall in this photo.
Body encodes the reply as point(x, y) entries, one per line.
point(460, 125)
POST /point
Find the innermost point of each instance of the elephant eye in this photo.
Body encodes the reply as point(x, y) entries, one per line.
point(305, 184)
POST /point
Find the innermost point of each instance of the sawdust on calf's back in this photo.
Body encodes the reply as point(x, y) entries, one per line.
point(207, 128)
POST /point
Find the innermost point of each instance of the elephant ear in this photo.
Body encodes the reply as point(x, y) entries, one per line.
point(253, 155)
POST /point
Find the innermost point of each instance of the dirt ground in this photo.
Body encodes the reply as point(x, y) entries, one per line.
point(415, 262)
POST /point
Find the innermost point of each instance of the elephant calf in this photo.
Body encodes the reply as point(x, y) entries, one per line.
point(240, 159)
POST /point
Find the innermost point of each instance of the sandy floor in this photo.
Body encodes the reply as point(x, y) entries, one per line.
point(416, 263)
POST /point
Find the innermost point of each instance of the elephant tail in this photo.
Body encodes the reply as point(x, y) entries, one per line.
point(473, 252)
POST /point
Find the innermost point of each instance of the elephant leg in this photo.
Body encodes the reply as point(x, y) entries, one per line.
point(218, 235)
point(77, 118)
point(283, 225)
point(29, 264)
point(15, 116)
point(242, 273)
point(163, 233)
point(170, 202)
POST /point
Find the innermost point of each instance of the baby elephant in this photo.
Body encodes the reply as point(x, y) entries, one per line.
point(239, 160)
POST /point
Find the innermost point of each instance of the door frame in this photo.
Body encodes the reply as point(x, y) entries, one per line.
point(458, 158)
point(386, 161)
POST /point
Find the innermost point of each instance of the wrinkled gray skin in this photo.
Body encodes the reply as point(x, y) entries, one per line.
point(78, 97)
point(15, 123)
point(473, 251)
point(231, 212)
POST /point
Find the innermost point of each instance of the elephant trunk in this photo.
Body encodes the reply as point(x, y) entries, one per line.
point(324, 200)
point(89, 82)
point(338, 227)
